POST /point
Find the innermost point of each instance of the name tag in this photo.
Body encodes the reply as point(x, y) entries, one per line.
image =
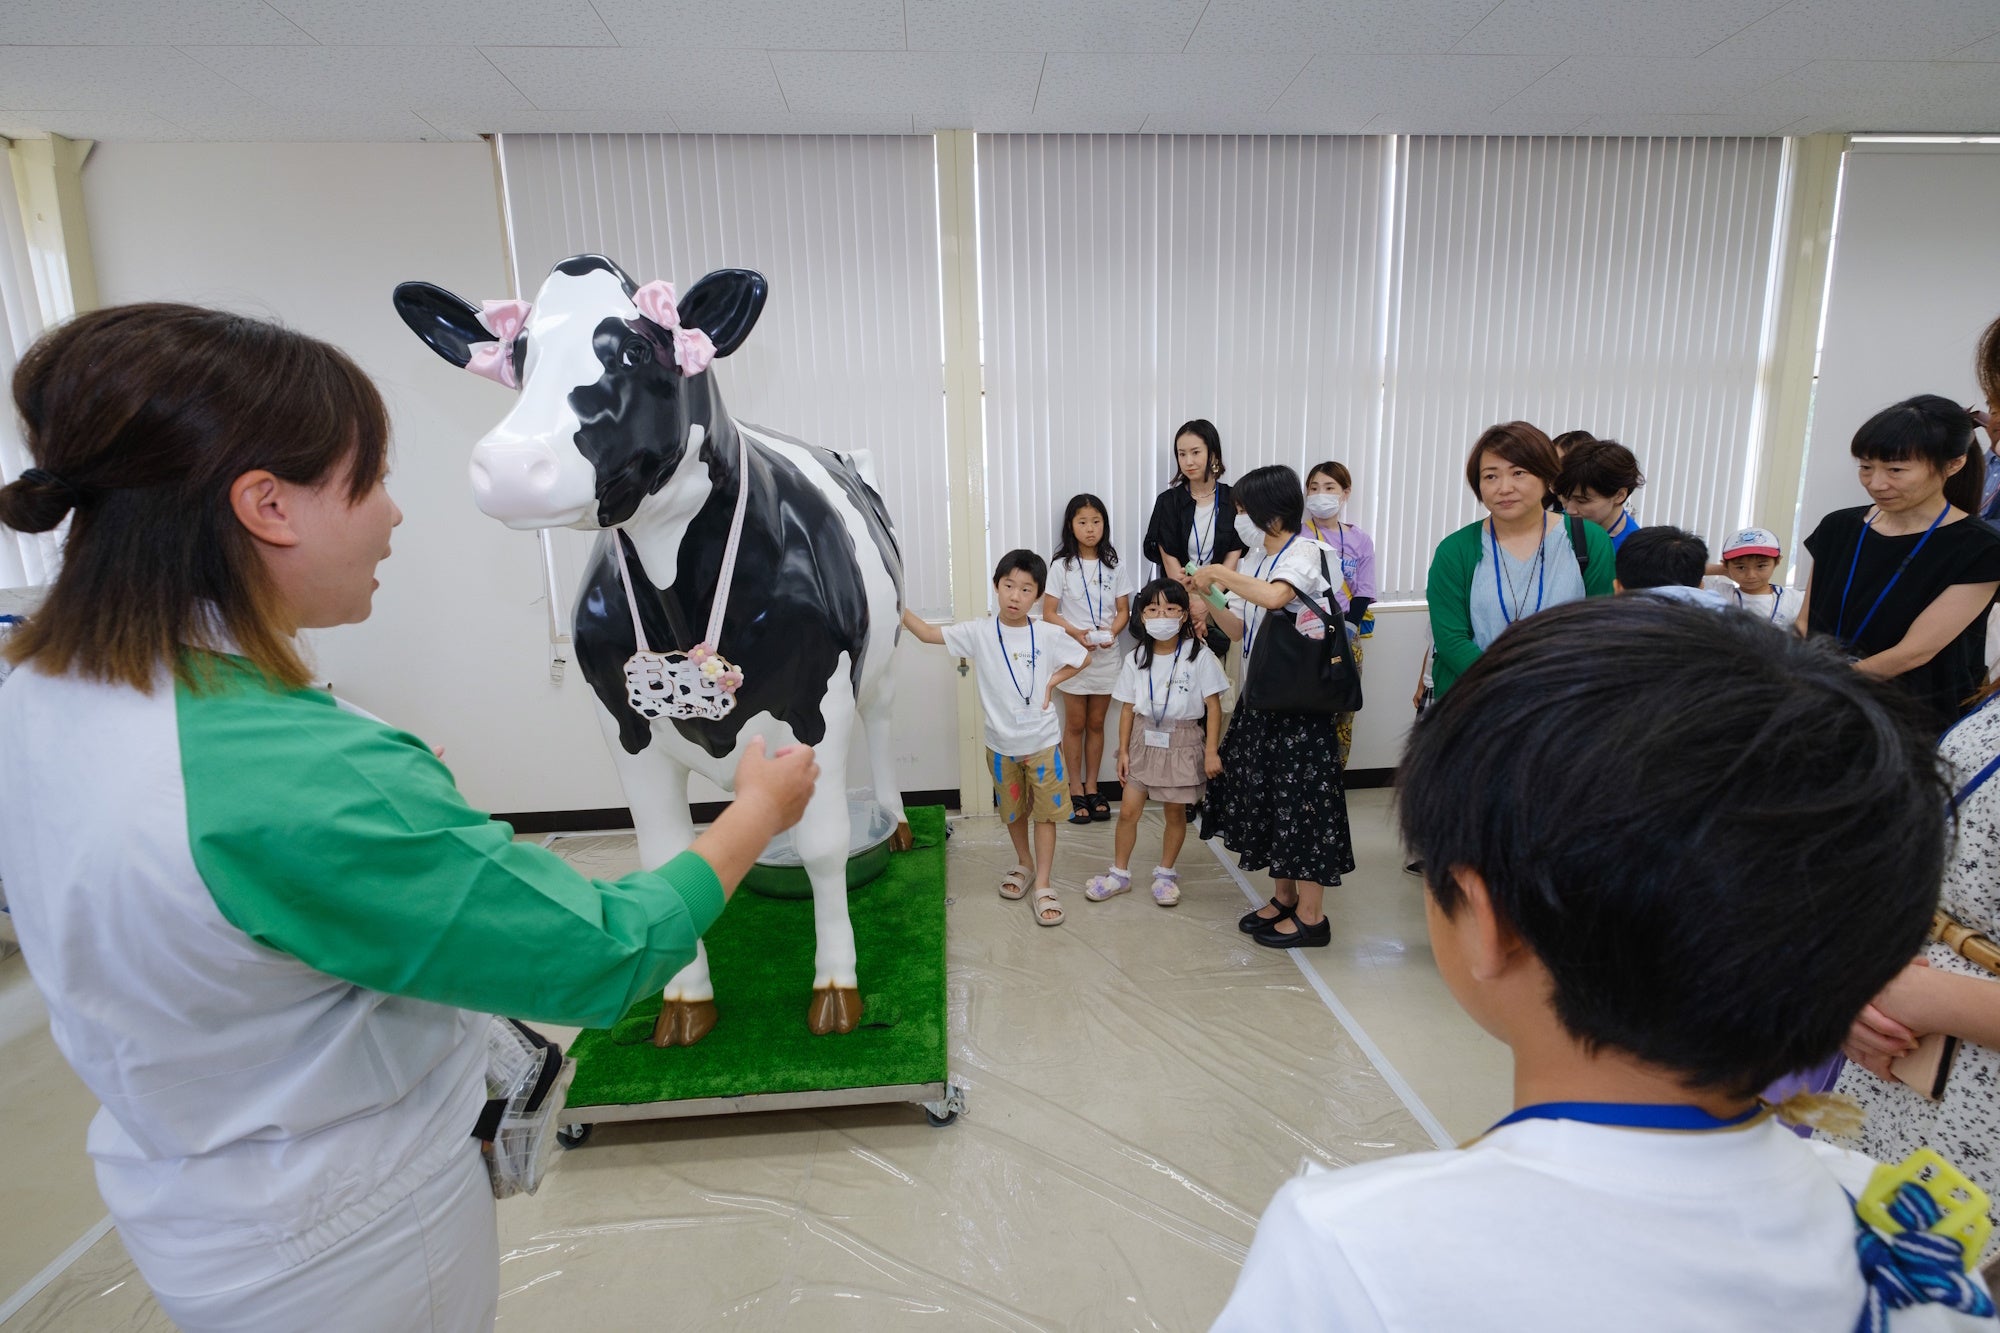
point(1027, 715)
point(1156, 740)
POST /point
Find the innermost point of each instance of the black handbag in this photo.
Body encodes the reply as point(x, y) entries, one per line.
point(1290, 673)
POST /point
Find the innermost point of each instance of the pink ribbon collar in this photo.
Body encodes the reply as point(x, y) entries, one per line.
point(693, 350)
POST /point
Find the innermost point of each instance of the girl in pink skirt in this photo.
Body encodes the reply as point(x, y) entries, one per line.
point(1168, 735)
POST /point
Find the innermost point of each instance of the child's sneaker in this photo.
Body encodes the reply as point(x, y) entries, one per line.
point(1166, 886)
point(1108, 885)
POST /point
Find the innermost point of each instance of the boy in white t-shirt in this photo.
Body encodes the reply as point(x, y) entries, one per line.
point(1749, 558)
point(1018, 663)
point(1659, 917)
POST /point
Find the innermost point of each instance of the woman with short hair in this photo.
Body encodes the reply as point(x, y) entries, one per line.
point(1516, 561)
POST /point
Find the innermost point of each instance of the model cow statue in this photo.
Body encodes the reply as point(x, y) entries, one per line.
point(743, 584)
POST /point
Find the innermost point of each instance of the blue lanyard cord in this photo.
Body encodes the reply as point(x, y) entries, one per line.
point(1777, 602)
point(1173, 674)
point(1200, 554)
point(1633, 1115)
point(1033, 652)
point(1841, 618)
point(1978, 781)
point(1095, 608)
point(1624, 522)
point(1541, 570)
point(1250, 629)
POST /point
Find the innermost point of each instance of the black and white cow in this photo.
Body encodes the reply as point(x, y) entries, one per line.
point(610, 434)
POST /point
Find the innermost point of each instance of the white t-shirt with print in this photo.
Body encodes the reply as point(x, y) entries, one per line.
point(1180, 684)
point(1014, 681)
point(1783, 614)
point(1087, 593)
point(1298, 563)
point(1572, 1228)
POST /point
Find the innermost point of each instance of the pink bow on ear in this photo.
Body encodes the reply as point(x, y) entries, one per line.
point(693, 349)
point(495, 360)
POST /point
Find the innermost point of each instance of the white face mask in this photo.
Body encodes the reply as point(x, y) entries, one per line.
point(1252, 535)
point(1162, 627)
point(1323, 505)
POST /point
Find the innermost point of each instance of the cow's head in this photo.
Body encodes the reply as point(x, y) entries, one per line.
point(606, 410)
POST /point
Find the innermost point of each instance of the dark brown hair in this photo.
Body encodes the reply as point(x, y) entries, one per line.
point(1603, 466)
point(1935, 430)
point(1337, 471)
point(140, 418)
point(1569, 440)
point(1204, 430)
point(1520, 443)
point(1986, 364)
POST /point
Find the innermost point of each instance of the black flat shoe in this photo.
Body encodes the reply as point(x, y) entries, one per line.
point(1305, 937)
point(1100, 808)
point(1250, 923)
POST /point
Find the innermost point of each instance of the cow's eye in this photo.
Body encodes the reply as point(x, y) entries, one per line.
point(636, 352)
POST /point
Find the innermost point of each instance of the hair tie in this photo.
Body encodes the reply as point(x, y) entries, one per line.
point(72, 497)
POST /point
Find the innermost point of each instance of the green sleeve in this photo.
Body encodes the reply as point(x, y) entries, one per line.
point(1603, 561)
point(344, 843)
point(1449, 592)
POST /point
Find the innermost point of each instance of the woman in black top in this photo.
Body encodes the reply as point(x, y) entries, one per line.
point(1906, 582)
point(1194, 520)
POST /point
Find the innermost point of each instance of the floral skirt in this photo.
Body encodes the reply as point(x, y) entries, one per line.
point(1279, 804)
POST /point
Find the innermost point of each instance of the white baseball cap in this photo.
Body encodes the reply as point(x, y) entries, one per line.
point(1751, 541)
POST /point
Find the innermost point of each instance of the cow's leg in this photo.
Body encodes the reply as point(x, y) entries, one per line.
point(656, 789)
point(821, 838)
point(876, 714)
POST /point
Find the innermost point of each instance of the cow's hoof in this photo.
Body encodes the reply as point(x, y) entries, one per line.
point(902, 840)
point(834, 1009)
point(684, 1022)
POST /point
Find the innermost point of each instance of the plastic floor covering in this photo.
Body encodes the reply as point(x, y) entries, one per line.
point(1138, 1082)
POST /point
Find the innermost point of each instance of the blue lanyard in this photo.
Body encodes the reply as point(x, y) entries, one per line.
point(1541, 569)
point(1624, 522)
point(1632, 1115)
point(1214, 506)
point(1866, 527)
point(1978, 781)
point(1096, 617)
point(1249, 629)
point(1777, 601)
point(1033, 650)
point(1173, 671)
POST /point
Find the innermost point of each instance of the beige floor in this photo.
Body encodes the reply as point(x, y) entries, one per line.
point(1138, 1082)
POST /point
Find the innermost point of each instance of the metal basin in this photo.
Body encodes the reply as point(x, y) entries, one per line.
point(779, 873)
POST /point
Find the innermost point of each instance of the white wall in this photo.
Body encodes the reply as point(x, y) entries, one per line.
point(318, 235)
point(1916, 276)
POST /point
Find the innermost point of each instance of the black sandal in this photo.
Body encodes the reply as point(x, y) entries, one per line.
point(1250, 923)
point(1079, 805)
point(1100, 808)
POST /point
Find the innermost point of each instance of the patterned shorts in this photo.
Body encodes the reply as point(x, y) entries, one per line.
point(1032, 785)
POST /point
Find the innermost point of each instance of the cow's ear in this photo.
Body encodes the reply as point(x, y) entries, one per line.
point(447, 324)
point(725, 306)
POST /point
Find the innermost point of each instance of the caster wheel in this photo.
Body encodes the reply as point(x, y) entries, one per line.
point(574, 1136)
point(939, 1121)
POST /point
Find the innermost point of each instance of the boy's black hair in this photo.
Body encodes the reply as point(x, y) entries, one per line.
point(1107, 554)
point(1028, 563)
point(1661, 557)
point(1272, 494)
point(1604, 466)
point(1935, 430)
point(1163, 589)
point(1720, 839)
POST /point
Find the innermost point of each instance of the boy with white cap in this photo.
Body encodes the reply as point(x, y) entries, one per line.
point(1750, 557)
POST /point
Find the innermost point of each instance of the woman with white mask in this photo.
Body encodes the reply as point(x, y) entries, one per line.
point(1329, 491)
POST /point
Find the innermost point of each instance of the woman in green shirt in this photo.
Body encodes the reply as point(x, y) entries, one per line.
point(1516, 561)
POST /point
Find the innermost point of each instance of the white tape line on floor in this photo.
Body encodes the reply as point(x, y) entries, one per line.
point(33, 1287)
point(1397, 1084)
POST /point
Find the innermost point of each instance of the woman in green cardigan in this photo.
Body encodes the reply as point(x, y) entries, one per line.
point(1518, 560)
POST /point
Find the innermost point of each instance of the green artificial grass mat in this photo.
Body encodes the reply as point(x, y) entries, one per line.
point(760, 954)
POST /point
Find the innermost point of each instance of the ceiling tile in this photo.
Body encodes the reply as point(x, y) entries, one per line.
point(828, 25)
point(110, 78)
point(1425, 121)
point(363, 77)
point(1051, 25)
point(1437, 86)
point(1077, 85)
point(1358, 26)
point(1293, 123)
point(1987, 51)
point(1920, 95)
point(137, 126)
point(448, 22)
point(642, 79)
point(144, 23)
point(704, 120)
point(1611, 27)
point(948, 86)
point(1867, 30)
point(1604, 85)
point(1126, 122)
point(1641, 124)
point(529, 120)
point(291, 124)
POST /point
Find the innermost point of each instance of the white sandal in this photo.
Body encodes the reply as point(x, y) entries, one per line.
point(1014, 884)
point(1045, 901)
point(1108, 885)
point(1166, 886)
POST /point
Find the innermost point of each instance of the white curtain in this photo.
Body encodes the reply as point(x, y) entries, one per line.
point(849, 353)
point(1131, 282)
point(26, 560)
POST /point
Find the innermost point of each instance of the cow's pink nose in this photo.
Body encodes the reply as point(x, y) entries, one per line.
point(538, 477)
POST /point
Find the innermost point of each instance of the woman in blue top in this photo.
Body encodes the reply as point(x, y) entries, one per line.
point(1596, 483)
